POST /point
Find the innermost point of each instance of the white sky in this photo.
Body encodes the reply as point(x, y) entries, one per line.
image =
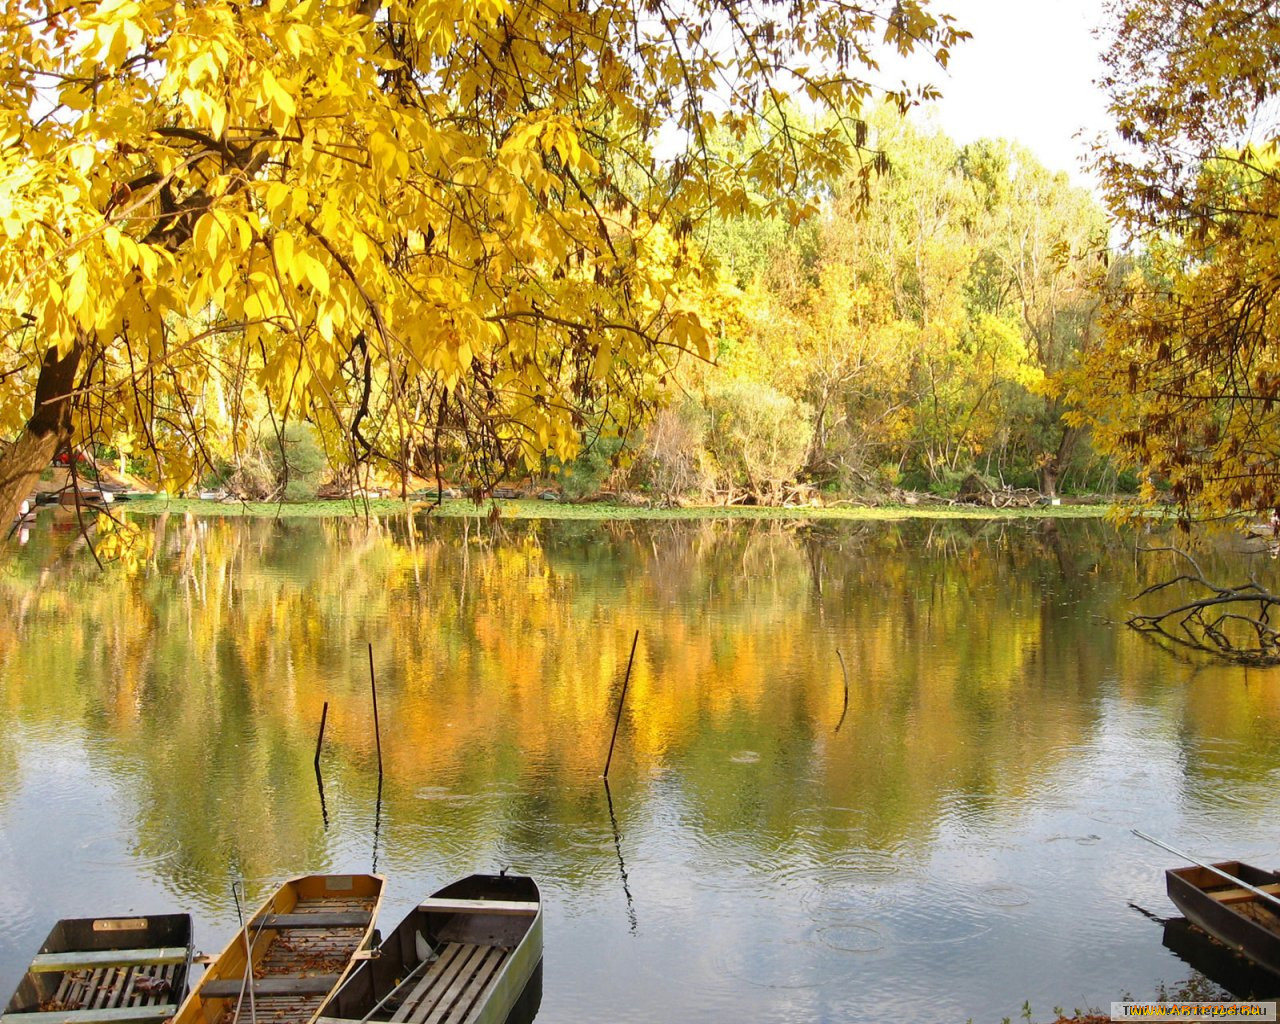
point(1027, 74)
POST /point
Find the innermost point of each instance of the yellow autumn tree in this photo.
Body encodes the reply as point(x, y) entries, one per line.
point(400, 220)
point(1186, 387)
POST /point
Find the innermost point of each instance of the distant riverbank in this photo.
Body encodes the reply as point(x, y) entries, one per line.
point(533, 509)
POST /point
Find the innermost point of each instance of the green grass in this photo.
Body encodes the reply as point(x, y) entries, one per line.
point(528, 509)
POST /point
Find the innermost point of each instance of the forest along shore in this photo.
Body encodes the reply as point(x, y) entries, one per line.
point(535, 509)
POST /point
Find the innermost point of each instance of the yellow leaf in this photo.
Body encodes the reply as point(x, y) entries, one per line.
point(360, 246)
point(283, 108)
point(283, 249)
point(204, 237)
point(317, 275)
point(277, 195)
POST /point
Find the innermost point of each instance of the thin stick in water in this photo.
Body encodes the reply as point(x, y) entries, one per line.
point(622, 867)
point(622, 699)
point(377, 823)
point(324, 714)
point(324, 810)
point(377, 730)
point(844, 673)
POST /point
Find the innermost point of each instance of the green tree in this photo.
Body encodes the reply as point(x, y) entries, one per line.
point(930, 325)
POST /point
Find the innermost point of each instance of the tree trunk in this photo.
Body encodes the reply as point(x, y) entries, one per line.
point(1055, 464)
point(48, 429)
point(1049, 477)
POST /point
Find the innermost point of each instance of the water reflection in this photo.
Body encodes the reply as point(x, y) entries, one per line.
point(1236, 976)
point(958, 844)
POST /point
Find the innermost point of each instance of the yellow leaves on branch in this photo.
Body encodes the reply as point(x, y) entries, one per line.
point(457, 204)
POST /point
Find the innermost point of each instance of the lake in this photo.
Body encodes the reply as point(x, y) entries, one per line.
point(950, 841)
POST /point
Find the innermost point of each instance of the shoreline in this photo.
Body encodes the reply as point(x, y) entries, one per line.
point(525, 508)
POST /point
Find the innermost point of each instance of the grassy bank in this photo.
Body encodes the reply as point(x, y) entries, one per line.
point(527, 509)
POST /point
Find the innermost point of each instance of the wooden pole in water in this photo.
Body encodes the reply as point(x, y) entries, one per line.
point(324, 714)
point(844, 673)
point(324, 810)
point(622, 699)
point(377, 731)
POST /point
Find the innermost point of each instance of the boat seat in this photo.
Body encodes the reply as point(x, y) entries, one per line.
point(1241, 895)
point(74, 960)
point(342, 919)
point(446, 905)
point(109, 1015)
point(280, 985)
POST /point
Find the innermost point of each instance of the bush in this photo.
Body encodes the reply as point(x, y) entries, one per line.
point(759, 437)
point(675, 460)
point(286, 465)
point(586, 474)
point(297, 459)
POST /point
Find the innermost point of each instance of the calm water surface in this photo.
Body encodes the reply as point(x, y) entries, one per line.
point(952, 843)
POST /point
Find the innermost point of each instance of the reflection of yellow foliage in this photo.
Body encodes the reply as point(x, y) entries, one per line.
point(499, 664)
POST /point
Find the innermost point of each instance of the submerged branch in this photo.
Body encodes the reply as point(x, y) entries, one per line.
point(1224, 622)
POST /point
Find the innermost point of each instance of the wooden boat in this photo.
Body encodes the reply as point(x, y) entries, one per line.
point(462, 956)
point(304, 940)
point(106, 970)
point(1236, 916)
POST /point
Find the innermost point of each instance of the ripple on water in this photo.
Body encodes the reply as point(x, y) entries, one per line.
point(1004, 894)
point(940, 916)
point(858, 883)
point(833, 823)
point(595, 839)
point(439, 794)
point(852, 938)
point(1125, 815)
point(117, 849)
point(744, 757)
point(773, 964)
point(1087, 840)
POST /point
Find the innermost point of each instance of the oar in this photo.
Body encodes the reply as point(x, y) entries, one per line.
point(247, 981)
point(1269, 897)
point(412, 975)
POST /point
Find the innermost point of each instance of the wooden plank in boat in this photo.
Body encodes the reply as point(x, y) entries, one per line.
point(1240, 895)
point(76, 960)
point(350, 919)
point(158, 994)
point(434, 1009)
point(309, 985)
point(440, 972)
point(437, 904)
point(484, 973)
point(90, 996)
point(114, 1015)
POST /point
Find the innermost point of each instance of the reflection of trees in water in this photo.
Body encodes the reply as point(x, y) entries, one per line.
point(975, 657)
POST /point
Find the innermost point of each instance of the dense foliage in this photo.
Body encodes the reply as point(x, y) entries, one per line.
point(1187, 384)
point(405, 222)
point(913, 335)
